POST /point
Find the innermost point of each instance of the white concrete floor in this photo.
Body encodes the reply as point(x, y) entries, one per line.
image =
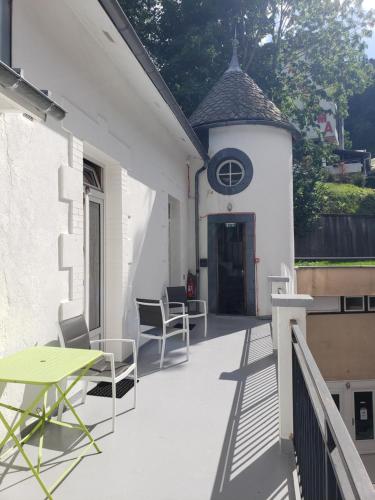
point(202, 430)
point(369, 461)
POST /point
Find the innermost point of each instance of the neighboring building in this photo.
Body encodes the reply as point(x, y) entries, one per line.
point(350, 162)
point(341, 336)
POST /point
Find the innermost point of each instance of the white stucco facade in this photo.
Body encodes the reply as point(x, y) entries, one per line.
point(116, 118)
point(269, 196)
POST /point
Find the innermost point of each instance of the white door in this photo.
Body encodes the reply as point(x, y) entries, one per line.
point(94, 263)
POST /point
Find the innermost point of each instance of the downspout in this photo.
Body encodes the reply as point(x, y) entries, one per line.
point(197, 257)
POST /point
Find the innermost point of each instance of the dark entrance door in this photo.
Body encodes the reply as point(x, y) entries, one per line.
point(231, 262)
point(231, 267)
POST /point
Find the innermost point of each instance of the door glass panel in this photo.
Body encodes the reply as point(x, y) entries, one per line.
point(336, 399)
point(364, 418)
point(94, 266)
point(231, 268)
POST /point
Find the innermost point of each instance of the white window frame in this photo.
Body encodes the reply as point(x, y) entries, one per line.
point(218, 175)
point(368, 303)
point(356, 297)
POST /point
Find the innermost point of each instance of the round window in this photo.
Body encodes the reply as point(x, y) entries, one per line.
point(230, 171)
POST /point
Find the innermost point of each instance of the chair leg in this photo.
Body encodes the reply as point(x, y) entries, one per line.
point(205, 325)
point(187, 341)
point(159, 346)
point(84, 391)
point(162, 353)
point(135, 385)
point(113, 404)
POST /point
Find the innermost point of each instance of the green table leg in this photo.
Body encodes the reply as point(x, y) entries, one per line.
point(24, 417)
point(82, 425)
point(25, 456)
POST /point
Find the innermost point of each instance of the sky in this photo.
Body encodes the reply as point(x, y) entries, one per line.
point(370, 4)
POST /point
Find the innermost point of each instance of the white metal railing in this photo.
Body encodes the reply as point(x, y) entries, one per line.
point(329, 465)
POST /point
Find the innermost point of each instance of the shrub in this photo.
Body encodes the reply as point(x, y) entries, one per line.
point(347, 199)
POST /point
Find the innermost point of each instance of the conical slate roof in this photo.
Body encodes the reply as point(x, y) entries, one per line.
point(237, 98)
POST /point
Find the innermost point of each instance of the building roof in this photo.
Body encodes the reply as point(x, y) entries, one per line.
point(236, 98)
point(26, 95)
point(126, 30)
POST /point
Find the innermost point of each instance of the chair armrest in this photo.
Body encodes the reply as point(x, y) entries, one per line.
point(181, 316)
point(201, 302)
point(129, 341)
point(181, 304)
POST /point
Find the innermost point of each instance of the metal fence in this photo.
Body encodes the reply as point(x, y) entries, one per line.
point(329, 465)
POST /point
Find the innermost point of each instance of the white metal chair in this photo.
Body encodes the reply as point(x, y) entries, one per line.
point(75, 334)
point(177, 295)
point(151, 313)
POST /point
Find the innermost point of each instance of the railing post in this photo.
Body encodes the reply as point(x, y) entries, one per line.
point(290, 308)
point(278, 286)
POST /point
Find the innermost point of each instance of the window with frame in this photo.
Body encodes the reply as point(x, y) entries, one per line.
point(371, 302)
point(230, 173)
point(92, 175)
point(354, 304)
point(5, 31)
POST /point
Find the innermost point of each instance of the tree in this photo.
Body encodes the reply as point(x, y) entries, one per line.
point(308, 174)
point(298, 51)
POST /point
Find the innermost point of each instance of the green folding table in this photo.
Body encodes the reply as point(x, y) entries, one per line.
point(45, 367)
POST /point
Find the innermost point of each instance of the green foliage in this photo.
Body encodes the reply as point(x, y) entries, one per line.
point(346, 199)
point(298, 51)
point(308, 175)
point(335, 263)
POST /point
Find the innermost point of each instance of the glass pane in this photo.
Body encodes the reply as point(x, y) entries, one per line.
point(236, 169)
point(364, 418)
point(336, 399)
point(5, 30)
point(94, 266)
point(89, 178)
point(371, 303)
point(224, 168)
point(225, 179)
point(354, 304)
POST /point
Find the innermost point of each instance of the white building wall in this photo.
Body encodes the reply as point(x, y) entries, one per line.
point(117, 119)
point(32, 219)
point(269, 196)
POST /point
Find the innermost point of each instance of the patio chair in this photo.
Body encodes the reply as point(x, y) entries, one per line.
point(75, 334)
point(177, 295)
point(151, 313)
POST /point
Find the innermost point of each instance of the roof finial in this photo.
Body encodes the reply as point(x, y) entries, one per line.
point(234, 64)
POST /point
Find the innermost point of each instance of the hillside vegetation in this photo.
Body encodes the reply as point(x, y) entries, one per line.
point(347, 199)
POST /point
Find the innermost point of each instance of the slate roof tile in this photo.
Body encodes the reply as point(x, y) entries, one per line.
point(236, 97)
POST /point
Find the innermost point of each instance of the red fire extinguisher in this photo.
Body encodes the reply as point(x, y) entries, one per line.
point(191, 286)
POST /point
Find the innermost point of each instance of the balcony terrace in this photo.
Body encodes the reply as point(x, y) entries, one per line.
point(202, 430)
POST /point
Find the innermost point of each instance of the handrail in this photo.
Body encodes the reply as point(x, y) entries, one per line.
point(349, 469)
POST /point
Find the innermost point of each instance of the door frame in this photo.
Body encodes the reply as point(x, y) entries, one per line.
point(250, 279)
point(346, 390)
point(97, 197)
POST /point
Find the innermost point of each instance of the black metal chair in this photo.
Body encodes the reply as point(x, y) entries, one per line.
point(75, 334)
point(151, 314)
point(177, 297)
